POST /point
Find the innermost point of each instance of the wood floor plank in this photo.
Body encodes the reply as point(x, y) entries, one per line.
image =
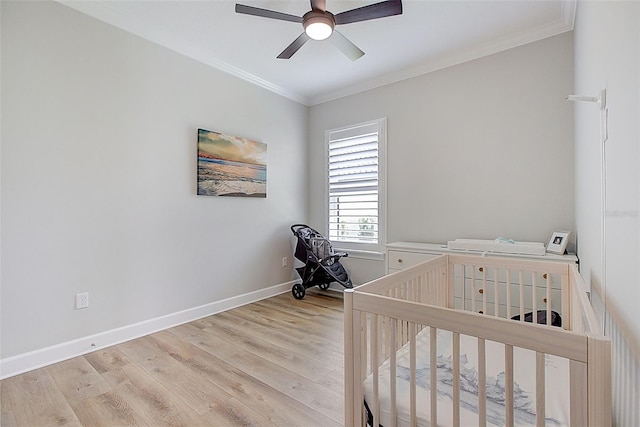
point(291, 321)
point(208, 400)
point(141, 349)
point(35, 400)
point(77, 379)
point(107, 410)
point(312, 338)
point(319, 397)
point(302, 309)
point(7, 419)
point(323, 300)
point(276, 362)
point(309, 352)
point(290, 345)
point(192, 388)
point(263, 349)
point(235, 413)
point(155, 403)
point(107, 359)
point(89, 395)
point(277, 407)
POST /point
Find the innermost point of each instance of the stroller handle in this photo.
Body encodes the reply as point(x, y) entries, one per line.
point(296, 227)
point(334, 257)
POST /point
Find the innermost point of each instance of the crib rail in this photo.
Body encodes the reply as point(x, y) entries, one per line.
point(442, 294)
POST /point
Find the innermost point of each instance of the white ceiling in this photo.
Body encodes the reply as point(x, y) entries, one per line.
point(428, 36)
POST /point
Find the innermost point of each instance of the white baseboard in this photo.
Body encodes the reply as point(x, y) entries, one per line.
point(25, 362)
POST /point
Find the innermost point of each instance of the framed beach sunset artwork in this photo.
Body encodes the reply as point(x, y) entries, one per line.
point(231, 166)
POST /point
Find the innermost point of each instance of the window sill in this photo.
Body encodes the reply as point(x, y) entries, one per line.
point(360, 254)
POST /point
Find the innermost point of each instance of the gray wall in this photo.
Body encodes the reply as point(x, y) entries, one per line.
point(99, 133)
point(477, 150)
point(607, 56)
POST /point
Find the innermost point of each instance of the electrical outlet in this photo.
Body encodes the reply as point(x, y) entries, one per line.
point(285, 261)
point(82, 300)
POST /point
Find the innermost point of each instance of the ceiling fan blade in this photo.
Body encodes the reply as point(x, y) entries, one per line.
point(345, 45)
point(293, 47)
point(372, 11)
point(265, 13)
point(319, 5)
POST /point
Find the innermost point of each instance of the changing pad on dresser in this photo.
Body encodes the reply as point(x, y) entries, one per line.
point(525, 248)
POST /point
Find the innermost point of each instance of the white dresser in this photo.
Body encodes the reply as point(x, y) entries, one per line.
point(472, 285)
point(401, 255)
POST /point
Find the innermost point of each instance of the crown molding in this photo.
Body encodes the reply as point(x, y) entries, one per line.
point(110, 16)
point(562, 25)
point(251, 78)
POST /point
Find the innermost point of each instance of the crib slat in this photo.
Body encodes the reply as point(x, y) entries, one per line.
point(405, 332)
point(433, 371)
point(484, 290)
point(482, 384)
point(565, 286)
point(412, 375)
point(359, 327)
point(473, 287)
point(534, 291)
point(375, 405)
point(364, 343)
point(548, 298)
point(578, 393)
point(599, 380)
point(521, 280)
point(508, 294)
point(388, 346)
point(435, 285)
point(392, 376)
point(462, 278)
point(349, 358)
point(445, 278)
point(496, 304)
point(540, 391)
point(456, 379)
point(508, 388)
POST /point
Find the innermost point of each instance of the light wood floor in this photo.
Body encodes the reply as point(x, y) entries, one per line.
point(277, 362)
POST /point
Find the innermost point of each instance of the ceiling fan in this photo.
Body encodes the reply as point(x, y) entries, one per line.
point(319, 23)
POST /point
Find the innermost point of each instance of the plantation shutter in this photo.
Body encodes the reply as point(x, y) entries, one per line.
point(353, 184)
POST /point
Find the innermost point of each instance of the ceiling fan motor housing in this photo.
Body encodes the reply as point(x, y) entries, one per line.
point(318, 24)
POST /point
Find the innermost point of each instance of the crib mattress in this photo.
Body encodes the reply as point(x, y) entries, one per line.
point(556, 384)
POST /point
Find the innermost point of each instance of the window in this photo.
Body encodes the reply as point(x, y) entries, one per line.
point(356, 186)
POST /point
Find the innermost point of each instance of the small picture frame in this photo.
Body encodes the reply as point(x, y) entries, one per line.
point(558, 242)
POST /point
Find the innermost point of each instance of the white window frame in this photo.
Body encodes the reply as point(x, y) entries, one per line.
point(356, 249)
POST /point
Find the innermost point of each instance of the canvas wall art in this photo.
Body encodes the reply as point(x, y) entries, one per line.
point(231, 166)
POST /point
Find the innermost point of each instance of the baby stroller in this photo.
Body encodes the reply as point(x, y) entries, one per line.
point(321, 265)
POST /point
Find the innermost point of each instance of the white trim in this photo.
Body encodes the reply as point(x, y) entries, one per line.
point(364, 250)
point(25, 362)
point(561, 26)
point(360, 254)
point(104, 12)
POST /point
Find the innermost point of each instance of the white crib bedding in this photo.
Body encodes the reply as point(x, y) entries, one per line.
point(556, 384)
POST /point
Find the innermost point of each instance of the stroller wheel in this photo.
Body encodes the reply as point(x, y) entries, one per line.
point(298, 291)
point(324, 286)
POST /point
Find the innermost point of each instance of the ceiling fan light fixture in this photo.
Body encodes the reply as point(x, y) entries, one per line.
point(318, 25)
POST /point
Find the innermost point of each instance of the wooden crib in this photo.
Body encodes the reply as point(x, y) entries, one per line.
point(392, 323)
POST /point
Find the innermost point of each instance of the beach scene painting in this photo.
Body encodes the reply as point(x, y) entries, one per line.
point(231, 166)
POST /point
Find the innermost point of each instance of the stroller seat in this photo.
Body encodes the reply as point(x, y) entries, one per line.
point(321, 264)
